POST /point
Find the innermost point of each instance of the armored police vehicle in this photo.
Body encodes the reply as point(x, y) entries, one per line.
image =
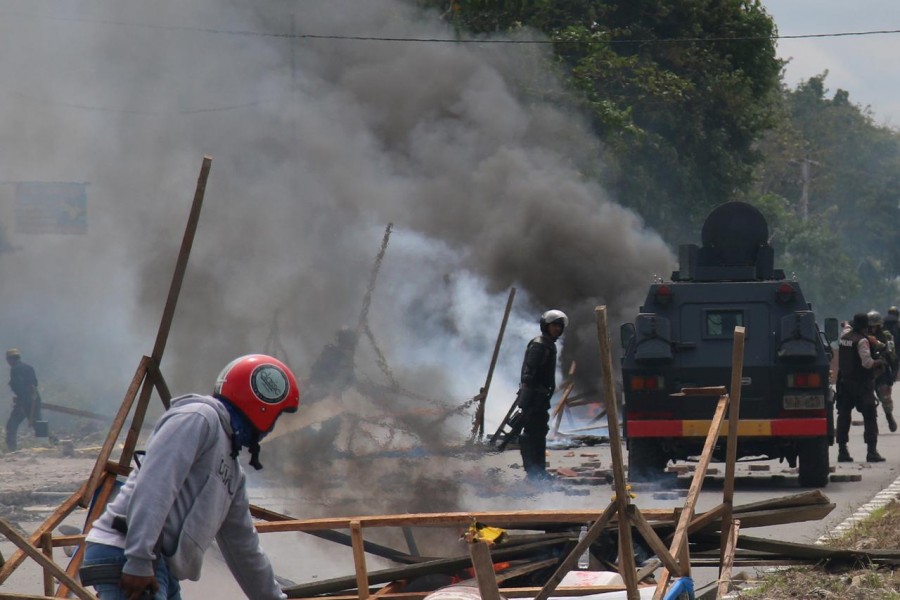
point(683, 339)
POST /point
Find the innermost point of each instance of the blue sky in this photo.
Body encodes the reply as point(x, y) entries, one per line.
point(865, 66)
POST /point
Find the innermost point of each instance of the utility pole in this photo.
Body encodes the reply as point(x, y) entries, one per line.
point(804, 192)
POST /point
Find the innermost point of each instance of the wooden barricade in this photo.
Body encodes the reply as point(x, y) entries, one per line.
point(97, 490)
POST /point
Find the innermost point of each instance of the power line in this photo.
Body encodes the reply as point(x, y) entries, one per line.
point(437, 40)
point(609, 41)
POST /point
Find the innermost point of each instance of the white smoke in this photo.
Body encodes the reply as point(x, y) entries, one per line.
point(471, 150)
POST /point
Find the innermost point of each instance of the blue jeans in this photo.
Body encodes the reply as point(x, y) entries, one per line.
point(101, 554)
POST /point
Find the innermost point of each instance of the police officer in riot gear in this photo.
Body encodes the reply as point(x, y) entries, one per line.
point(892, 322)
point(883, 346)
point(537, 384)
point(856, 388)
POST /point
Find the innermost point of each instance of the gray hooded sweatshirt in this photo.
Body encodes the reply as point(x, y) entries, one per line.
point(188, 491)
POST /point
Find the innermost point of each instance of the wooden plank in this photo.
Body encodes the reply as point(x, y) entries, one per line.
point(162, 388)
point(478, 430)
point(391, 588)
point(359, 560)
point(259, 512)
point(627, 566)
point(47, 549)
point(525, 569)
point(57, 517)
point(648, 569)
point(410, 541)
point(593, 533)
point(728, 560)
point(140, 410)
point(86, 414)
point(703, 520)
point(443, 565)
point(484, 570)
point(184, 253)
point(106, 489)
point(564, 401)
point(26, 546)
point(734, 411)
point(653, 540)
point(63, 541)
point(679, 540)
point(793, 500)
point(453, 519)
point(114, 431)
point(780, 516)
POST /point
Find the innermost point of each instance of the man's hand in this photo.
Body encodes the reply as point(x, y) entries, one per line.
point(134, 586)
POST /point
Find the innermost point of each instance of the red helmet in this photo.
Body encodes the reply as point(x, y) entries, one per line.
point(261, 387)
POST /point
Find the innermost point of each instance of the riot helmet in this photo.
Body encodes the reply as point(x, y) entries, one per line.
point(875, 319)
point(553, 316)
point(894, 312)
point(260, 387)
point(860, 322)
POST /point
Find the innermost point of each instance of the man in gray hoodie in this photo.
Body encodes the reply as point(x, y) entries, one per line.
point(190, 489)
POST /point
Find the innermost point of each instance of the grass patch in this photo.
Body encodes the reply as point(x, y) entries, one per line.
point(880, 530)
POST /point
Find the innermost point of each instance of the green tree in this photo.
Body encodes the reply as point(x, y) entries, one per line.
point(679, 92)
point(829, 154)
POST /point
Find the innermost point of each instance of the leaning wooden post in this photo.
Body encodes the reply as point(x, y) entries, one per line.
point(13, 536)
point(728, 549)
point(165, 324)
point(47, 548)
point(478, 429)
point(359, 559)
point(563, 402)
point(734, 411)
point(627, 566)
point(146, 377)
point(484, 570)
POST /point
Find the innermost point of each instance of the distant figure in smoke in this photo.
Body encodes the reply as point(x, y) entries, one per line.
point(332, 372)
point(536, 387)
point(191, 489)
point(26, 399)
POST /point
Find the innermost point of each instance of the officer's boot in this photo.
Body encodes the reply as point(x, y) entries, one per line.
point(540, 459)
point(872, 455)
point(526, 449)
point(844, 454)
point(892, 424)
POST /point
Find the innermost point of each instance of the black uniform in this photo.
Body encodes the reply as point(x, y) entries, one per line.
point(26, 401)
point(855, 389)
point(536, 387)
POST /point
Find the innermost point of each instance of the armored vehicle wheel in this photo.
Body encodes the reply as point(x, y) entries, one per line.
point(646, 460)
point(813, 458)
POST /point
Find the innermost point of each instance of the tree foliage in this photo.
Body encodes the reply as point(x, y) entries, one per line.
point(688, 98)
point(851, 175)
point(679, 91)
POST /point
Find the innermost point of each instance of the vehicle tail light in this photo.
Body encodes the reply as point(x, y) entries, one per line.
point(785, 293)
point(804, 380)
point(647, 383)
point(663, 295)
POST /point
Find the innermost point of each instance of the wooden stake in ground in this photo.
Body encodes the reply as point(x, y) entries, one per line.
point(478, 426)
point(563, 402)
point(734, 411)
point(627, 566)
